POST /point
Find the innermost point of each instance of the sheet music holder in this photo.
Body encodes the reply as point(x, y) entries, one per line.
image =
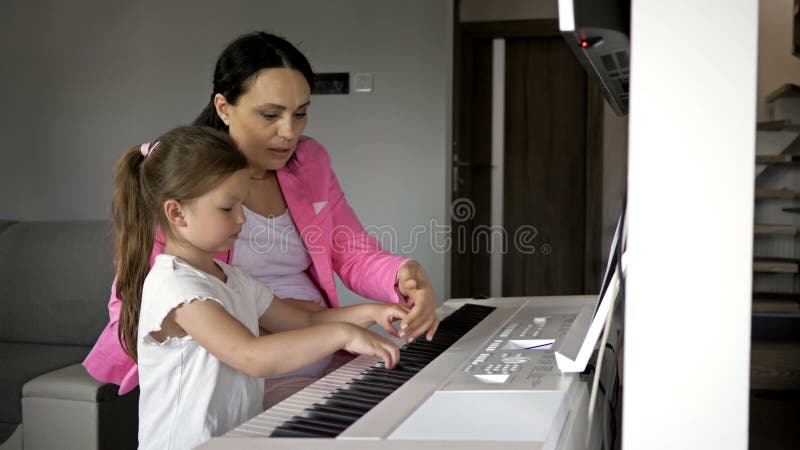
point(574, 352)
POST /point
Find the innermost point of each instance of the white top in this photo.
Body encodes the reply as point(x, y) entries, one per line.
point(187, 395)
point(271, 250)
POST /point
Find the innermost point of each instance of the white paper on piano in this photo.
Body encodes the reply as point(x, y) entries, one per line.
point(576, 348)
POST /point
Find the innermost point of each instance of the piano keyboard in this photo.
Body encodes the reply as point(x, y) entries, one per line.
point(330, 405)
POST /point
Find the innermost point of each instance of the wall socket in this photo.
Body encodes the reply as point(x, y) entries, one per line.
point(362, 82)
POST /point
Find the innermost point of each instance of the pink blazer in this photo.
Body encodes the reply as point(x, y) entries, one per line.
point(334, 237)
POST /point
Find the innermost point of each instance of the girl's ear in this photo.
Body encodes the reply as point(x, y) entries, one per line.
point(174, 212)
point(223, 108)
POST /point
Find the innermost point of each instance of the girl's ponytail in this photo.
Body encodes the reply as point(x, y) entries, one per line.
point(182, 164)
point(134, 231)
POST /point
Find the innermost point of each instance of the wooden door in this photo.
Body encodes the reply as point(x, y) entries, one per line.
point(552, 179)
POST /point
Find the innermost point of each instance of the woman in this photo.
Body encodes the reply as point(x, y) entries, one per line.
point(300, 229)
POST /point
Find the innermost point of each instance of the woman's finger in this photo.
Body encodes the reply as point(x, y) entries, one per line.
point(432, 329)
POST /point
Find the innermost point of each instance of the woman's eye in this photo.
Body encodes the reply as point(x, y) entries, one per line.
point(300, 115)
point(227, 209)
point(270, 116)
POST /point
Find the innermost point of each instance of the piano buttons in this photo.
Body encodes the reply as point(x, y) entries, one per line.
point(493, 346)
point(515, 360)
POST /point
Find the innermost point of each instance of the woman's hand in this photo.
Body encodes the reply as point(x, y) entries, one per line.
point(365, 342)
point(414, 285)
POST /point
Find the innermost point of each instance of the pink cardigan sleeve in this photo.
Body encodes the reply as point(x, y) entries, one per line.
point(362, 264)
point(107, 361)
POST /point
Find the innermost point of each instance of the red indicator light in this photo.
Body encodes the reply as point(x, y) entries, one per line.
point(584, 44)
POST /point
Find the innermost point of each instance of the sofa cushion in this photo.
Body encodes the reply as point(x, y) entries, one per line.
point(22, 362)
point(55, 279)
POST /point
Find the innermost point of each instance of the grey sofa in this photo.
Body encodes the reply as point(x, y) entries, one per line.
point(54, 285)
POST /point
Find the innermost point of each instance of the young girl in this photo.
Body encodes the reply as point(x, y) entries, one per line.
point(191, 322)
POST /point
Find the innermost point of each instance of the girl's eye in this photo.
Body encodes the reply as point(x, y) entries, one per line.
point(227, 209)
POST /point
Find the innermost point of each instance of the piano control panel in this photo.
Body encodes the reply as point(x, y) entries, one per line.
point(519, 354)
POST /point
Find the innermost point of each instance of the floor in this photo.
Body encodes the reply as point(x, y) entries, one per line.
point(774, 420)
point(775, 395)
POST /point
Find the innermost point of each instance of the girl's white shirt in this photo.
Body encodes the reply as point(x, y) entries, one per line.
point(187, 394)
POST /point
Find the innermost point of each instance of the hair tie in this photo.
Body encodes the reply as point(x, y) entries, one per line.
point(147, 148)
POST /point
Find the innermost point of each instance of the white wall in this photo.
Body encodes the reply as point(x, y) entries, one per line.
point(690, 232)
point(84, 80)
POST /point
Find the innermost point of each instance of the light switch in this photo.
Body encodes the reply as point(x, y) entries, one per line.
point(362, 82)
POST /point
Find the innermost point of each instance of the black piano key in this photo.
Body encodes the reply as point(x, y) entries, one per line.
point(389, 373)
point(341, 409)
point(322, 431)
point(338, 414)
point(420, 351)
point(362, 396)
point(412, 365)
point(323, 417)
point(289, 431)
point(384, 378)
point(336, 427)
point(414, 359)
point(347, 404)
point(409, 357)
point(357, 385)
point(377, 383)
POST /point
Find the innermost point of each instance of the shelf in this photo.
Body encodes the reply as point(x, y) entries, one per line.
point(793, 210)
point(777, 125)
point(785, 91)
point(776, 302)
point(775, 306)
point(776, 265)
point(783, 193)
point(784, 158)
point(763, 228)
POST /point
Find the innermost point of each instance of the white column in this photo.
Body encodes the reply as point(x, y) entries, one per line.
point(690, 206)
point(498, 140)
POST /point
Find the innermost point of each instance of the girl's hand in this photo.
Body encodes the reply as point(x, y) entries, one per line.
point(385, 315)
point(365, 342)
point(413, 283)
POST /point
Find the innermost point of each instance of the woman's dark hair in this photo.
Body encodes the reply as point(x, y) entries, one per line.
point(186, 163)
point(239, 63)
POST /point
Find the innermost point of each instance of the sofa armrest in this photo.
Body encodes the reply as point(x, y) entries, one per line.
point(70, 383)
point(67, 408)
